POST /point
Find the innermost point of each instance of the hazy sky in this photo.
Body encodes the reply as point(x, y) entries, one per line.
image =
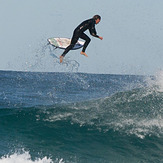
point(132, 32)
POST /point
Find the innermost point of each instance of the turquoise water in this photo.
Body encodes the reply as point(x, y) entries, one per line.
point(80, 118)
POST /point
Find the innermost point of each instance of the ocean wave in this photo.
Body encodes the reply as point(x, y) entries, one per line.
point(124, 122)
point(137, 112)
point(129, 116)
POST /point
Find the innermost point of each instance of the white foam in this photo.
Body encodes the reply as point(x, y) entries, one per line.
point(159, 80)
point(141, 128)
point(156, 83)
point(26, 158)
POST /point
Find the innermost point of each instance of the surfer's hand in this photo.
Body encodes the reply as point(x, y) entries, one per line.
point(101, 38)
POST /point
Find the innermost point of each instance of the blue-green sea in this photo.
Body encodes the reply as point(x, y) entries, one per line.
point(80, 118)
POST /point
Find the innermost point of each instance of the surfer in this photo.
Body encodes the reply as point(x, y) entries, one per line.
point(79, 33)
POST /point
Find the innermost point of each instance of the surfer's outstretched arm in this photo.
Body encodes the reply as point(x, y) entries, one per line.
point(92, 30)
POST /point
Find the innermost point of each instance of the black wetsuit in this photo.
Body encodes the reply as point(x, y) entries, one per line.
point(79, 33)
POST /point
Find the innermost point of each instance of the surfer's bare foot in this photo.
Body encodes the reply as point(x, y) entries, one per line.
point(83, 53)
point(61, 59)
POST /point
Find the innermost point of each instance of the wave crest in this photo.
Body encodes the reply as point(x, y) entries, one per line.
point(137, 112)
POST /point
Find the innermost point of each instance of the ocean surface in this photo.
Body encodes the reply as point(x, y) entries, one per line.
point(80, 118)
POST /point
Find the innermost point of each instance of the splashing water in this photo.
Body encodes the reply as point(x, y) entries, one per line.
point(69, 65)
point(156, 82)
point(159, 81)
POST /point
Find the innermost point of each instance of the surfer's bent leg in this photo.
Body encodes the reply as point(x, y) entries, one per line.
point(74, 40)
point(87, 41)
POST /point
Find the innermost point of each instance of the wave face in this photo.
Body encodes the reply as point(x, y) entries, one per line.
point(80, 118)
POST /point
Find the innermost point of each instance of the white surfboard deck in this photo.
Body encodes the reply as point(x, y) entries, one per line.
point(63, 43)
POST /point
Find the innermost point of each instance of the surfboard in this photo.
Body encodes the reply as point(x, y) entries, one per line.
point(62, 43)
